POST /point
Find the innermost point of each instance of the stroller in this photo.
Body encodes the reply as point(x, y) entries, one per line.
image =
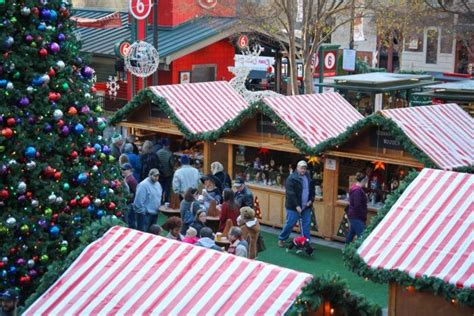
point(301, 243)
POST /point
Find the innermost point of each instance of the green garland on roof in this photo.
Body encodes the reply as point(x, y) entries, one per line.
point(56, 269)
point(356, 264)
point(146, 96)
point(331, 288)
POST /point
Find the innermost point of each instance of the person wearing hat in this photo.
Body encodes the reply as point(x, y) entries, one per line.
point(243, 195)
point(9, 300)
point(298, 202)
point(115, 148)
point(131, 185)
point(210, 191)
point(148, 200)
point(185, 177)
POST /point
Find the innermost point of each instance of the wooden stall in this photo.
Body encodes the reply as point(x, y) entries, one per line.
point(266, 148)
point(185, 114)
point(387, 146)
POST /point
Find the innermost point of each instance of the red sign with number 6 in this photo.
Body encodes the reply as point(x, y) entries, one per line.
point(140, 9)
point(243, 41)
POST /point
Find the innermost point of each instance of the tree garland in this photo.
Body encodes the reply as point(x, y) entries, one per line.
point(147, 95)
point(356, 264)
point(57, 268)
point(331, 288)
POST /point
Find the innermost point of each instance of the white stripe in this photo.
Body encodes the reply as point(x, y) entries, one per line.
point(286, 294)
point(81, 269)
point(467, 265)
point(137, 277)
point(207, 269)
point(151, 281)
point(194, 289)
point(179, 268)
point(234, 286)
point(98, 276)
point(267, 293)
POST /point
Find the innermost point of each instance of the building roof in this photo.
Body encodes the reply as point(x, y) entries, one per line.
point(111, 277)
point(315, 117)
point(170, 40)
point(428, 232)
point(463, 86)
point(204, 106)
point(443, 132)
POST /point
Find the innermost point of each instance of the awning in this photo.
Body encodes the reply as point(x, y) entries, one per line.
point(443, 132)
point(428, 231)
point(315, 117)
point(128, 272)
point(204, 106)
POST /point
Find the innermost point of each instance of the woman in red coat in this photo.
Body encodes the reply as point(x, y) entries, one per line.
point(229, 210)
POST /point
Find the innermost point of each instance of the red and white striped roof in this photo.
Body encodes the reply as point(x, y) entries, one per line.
point(315, 117)
point(444, 132)
point(128, 272)
point(429, 231)
point(203, 106)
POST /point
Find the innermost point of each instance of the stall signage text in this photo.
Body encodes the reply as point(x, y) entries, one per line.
point(382, 138)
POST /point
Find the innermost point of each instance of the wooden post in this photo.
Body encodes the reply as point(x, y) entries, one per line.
point(330, 184)
point(206, 160)
point(392, 299)
point(230, 160)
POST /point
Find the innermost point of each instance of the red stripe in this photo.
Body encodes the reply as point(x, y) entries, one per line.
point(284, 307)
point(460, 261)
point(461, 119)
point(433, 217)
point(152, 268)
point(144, 262)
point(230, 279)
point(276, 293)
point(375, 243)
point(89, 255)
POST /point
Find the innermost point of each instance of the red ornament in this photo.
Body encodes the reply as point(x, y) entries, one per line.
point(24, 280)
point(52, 72)
point(93, 89)
point(35, 11)
point(84, 202)
point(111, 206)
point(53, 96)
point(4, 194)
point(89, 150)
point(2, 264)
point(55, 216)
point(12, 251)
point(57, 176)
point(74, 154)
point(43, 52)
point(60, 123)
point(72, 111)
point(48, 171)
point(73, 203)
point(11, 121)
point(118, 214)
point(7, 132)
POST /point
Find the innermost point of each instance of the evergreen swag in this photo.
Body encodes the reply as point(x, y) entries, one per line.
point(57, 268)
point(355, 263)
point(147, 96)
point(331, 288)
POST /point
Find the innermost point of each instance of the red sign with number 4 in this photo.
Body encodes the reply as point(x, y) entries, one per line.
point(140, 9)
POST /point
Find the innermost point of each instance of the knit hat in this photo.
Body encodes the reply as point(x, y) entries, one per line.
point(9, 295)
point(117, 137)
point(126, 166)
point(184, 160)
point(302, 163)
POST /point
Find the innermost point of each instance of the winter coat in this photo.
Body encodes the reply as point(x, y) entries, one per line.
point(294, 190)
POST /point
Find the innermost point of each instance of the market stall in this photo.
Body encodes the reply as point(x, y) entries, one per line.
point(130, 272)
point(371, 92)
point(424, 245)
point(387, 145)
point(187, 114)
point(266, 146)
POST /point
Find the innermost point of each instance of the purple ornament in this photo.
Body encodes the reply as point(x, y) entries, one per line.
point(32, 273)
point(54, 47)
point(47, 128)
point(20, 261)
point(24, 101)
point(42, 223)
point(65, 130)
point(45, 14)
point(21, 198)
point(61, 37)
point(90, 121)
point(1, 119)
point(29, 38)
point(87, 72)
point(31, 120)
point(3, 170)
point(106, 149)
point(85, 109)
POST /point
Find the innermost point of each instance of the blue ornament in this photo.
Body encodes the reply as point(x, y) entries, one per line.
point(78, 233)
point(47, 128)
point(78, 218)
point(100, 213)
point(106, 149)
point(79, 128)
point(30, 152)
point(98, 148)
point(3, 83)
point(91, 209)
point(8, 42)
point(53, 15)
point(41, 27)
point(82, 178)
point(54, 231)
point(103, 193)
point(12, 270)
point(37, 81)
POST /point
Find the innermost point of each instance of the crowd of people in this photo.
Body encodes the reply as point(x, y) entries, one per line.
point(152, 174)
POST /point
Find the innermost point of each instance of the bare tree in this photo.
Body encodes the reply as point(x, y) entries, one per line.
point(300, 26)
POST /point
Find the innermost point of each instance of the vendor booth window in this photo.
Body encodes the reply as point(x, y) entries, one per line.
point(432, 46)
point(271, 167)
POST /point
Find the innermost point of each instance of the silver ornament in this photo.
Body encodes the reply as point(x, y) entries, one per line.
point(64, 243)
point(46, 78)
point(30, 165)
point(97, 202)
point(25, 11)
point(5, 259)
point(31, 263)
point(87, 95)
point(30, 89)
point(52, 198)
point(95, 168)
point(21, 188)
point(11, 222)
point(12, 162)
point(60, 64)
point(34, 203)
point(9, 86)
point(58, 114)
point(59, 200)
point(111, 191)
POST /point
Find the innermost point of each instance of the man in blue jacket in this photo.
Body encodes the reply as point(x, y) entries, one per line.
point(299, 202)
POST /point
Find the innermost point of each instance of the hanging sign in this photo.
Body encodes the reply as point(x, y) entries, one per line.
point(122, 48)
point(140, 9)
point(349, 59)
point(243, 41)
point(382, 138)
point(329, 61)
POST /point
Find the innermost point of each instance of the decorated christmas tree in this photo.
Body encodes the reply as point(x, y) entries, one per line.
point(56, 174)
